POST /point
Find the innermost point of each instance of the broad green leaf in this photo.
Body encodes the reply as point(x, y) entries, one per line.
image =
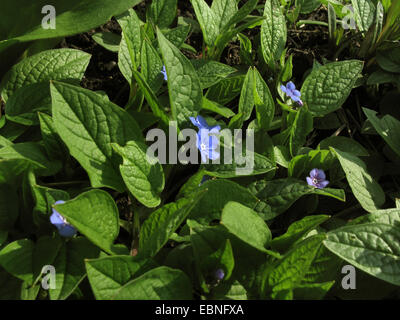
point(12, 169)
point(254, 164)
point(131, 43)
point(183, 83)
point(273, 32)
point(177, 36)
point(33, 153)
point(345, 144)
point(107, 40)
point(389, 59)
point(70, 266)
point(308, 6)
point(207, 20)
point(388, 128)
point(161, 283)
point(290, 271)
point(108, 274)
point(144, 179)
point(218, 194)
point(280, 194)
point(16, 258)
point(364, 13)
point(151, 66)
point(162, 223)
point(239, 219)
point(211, 72)
point(297, 230)
point(222, 258)
point(227, 89)
point(301, 127)
point(387, 216)
point(312, 291)
point(88, 124)
point(371, 247)
point(22, 107)
point(73, 17)
point(265, 106)
point(246, 101)
point(223, 10)
point(367, 191)
point(240, 14)
point(327, 88)
point(151, 98)
point(95, 215)
point(163, 12)
point(217, 108)
point(52, 142)
point(58, 64)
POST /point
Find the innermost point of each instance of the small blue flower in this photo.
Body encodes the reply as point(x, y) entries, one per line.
point(204, 179)
point(64, 228)
point(164, 72)
point(200, 122)
point(207, 140)
point(292, 93)
point(219, 274)
point(317, 179)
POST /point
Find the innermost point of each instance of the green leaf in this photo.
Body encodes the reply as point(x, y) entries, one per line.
point(308, 6)
point(301, 127)
point(389, 59)
point(144, 177)
point(163, 12)
point(177, 36)
point(327, 87)
point(265, 106)
point(227, 89)
point(12, 169)
point(73, 17)
point(161, 283)
point(372, 247)
point(273, 32)
point(388, 216)
point(183, 83)
point(88, 124)
point(364, 13)
point(367, 191)
point(151, 66)
point(239, 219)
point(100, 221)
point(388, 128)
point(255, 164)
point(207, 20)
point(107, 40)
point(52, 142)
point(290, 271)
point(22, 107)
point(70, 266)
point(218, 194)
point(131, 43)
point(34, 154)
point(217, 108)
point(297, 230)
point(16, 258)
point(162, 223)
point(246, 101)
point(345, 144)
point(211, 72)
point(223, 10)
point(222, 258)
point(58, 64)
point(108, 274)
point(280, 194)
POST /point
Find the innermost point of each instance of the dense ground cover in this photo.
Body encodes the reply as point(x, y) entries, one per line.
point(304, 97)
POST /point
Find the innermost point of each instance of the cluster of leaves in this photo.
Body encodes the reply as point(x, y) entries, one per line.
point(174, 231)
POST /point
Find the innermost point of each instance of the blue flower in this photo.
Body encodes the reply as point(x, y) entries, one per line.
point(219, 274)
point(317, 179)
point(207, 140)
point(64, 228)
point(164, 72)
point(292, 93)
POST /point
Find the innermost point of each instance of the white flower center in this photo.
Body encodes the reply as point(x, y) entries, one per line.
point(315, 180)
point(203, 147)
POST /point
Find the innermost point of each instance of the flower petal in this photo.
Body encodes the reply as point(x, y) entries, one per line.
point(314, 173)
point(290, 85)
point(283, 88)
point(297, 93)
point(67, 231)
point(202, 122)
point(322, 184)
point(56, 219)
point(213, 155)
point(310, 182)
